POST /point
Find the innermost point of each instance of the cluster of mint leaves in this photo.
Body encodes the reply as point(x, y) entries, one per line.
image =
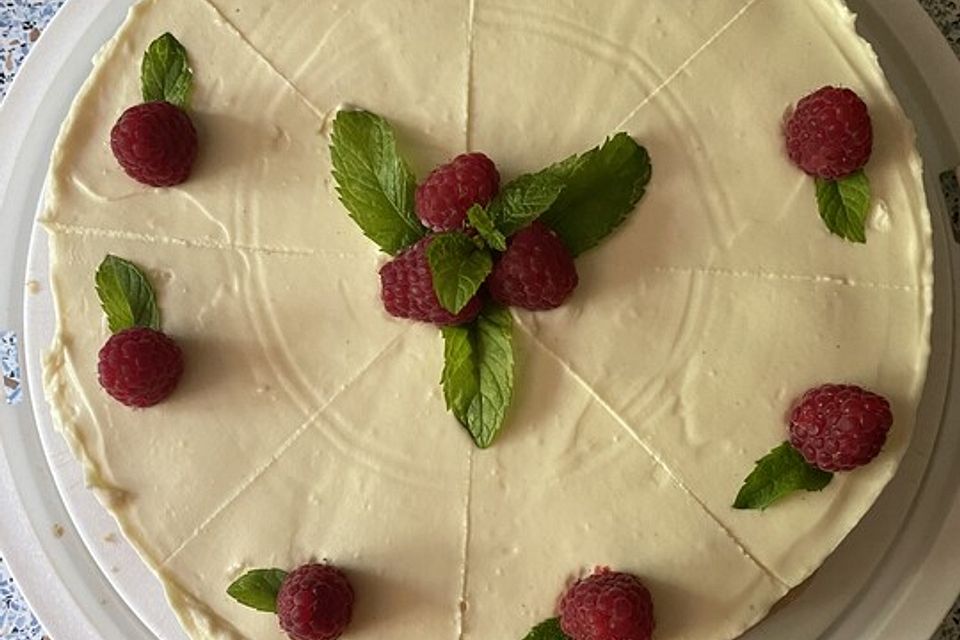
point(165, 73)
point(126, 296)
point(583, 199)
point(258, 589)
point(844, 205)
point(778, 474)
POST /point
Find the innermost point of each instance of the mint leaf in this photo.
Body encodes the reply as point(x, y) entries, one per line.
point(458, 267)
point(373, 182)
point(523, 200)
point(844, 205)
point(547, 630)
point(258, 589)
point(602, 188)
point(777, 474)
point(460, 379)
point(480, 220)
point(165, 73)
point(478, 373)
point(126, 295)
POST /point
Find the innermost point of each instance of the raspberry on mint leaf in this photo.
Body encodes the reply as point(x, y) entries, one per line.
point(840, 427)
point(829, 134)
point(312, 602)
point(443, 199)
point(407, 291)
point(536, 272)
point(155, 143)
point(833, 427)
point(608, 605)
point(140, 366)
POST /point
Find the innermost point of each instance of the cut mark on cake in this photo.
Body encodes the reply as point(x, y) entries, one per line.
point(191, 243)
point(464, 566)
point(686, 63)
point(788, 277)
point(10, 368)
point(232, 28)
point(569, 370)
point(468, 99)
point(285, 446)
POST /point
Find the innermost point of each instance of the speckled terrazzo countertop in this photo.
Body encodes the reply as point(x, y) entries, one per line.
point(21, 22)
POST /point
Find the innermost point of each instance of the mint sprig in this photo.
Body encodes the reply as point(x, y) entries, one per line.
point(602, 187)
point(461, 377)
point(165, 73)
point(778, 474)
point(459, 265)
point(478, 373)
point(844, 205)
point(480, 220)
point(126, 296)
point(547, 630)
point(583, 198)
point(258, 589)
point(523, 200)
point(373, 181)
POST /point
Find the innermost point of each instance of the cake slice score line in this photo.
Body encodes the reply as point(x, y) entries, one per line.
point(689, 61)
point(191, 243)
point(788, 277)
point(283, 448)
point(568, 370)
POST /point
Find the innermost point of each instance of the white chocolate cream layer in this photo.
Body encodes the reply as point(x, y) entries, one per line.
point(310, 425)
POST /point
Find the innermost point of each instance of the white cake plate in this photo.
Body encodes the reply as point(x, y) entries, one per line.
point(892, 579)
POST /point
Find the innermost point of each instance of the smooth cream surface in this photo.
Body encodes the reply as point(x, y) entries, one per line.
point(310, 426)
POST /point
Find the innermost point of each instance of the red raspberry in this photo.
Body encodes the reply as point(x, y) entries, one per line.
point(449, 191)
point(829, 134)
point(608, 605)
point(840, 427)
point(536, 272)
point(315, 602)
point(406, 287)
point(140, 366)
point(155, 143)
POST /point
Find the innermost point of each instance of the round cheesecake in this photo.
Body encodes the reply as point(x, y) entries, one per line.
point(310, 426)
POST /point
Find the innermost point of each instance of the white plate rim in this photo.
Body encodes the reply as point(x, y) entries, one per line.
point(32, 552)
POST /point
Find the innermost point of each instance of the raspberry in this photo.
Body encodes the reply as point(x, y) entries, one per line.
point(315, 602)
point(608, 605)
point(840, 427)
point(829, 134)
point(406, 287)
point(140, 366)
point(449, 191)
point(155, 143)
point(536, 272)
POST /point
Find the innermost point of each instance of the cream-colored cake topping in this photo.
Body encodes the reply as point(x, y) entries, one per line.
point(309, 425)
